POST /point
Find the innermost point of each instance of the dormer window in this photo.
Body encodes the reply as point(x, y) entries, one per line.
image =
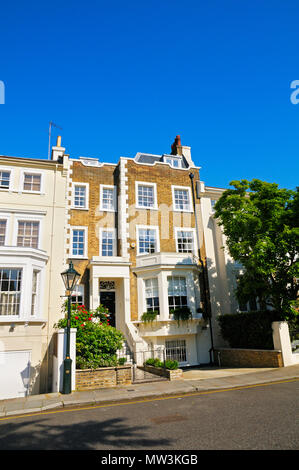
point(175, 162)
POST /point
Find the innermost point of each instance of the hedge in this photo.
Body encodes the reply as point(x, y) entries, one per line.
point(250, 330)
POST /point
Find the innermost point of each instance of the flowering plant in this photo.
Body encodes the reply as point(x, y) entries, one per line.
point(96, 341)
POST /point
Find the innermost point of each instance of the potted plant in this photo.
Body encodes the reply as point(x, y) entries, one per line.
point(181, 314)
point(149, 316)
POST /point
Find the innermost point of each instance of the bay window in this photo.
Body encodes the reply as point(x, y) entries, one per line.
point(10, 291)
point(177, 292)
point(152, 295)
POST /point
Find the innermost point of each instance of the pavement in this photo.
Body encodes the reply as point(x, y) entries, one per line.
point(201, 379)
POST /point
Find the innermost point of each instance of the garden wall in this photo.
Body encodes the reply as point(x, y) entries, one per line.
point(90, 379)
point(226, 357)
point(169, 374)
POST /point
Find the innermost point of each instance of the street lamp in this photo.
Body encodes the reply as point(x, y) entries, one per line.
point(70, 278)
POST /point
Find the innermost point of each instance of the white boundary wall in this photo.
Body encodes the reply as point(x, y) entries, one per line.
point(282, 342)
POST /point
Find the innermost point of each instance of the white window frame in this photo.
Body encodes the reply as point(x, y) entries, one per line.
point(11, 174)
point(78, 291)
point(169, 159)
point(31, 172)
point(85, 230)
point(108, 186)
point(28, 218)
point(112, 230)
point(145, 183)
point(172, 276)
point(27, 266)
point(148, 227)
point(7, 228)
point(184, 188)
point(186, 229)
point(86, 185)
point(145, 297)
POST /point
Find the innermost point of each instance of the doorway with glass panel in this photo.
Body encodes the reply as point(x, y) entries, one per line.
point(107, 298)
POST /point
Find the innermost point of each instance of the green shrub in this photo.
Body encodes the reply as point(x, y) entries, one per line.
point(154, 362)
point(96, 341)
point(172, 365)
point(250, 330)
point(122, 361)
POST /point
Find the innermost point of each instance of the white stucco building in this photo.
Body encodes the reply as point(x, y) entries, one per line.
point(32, 220)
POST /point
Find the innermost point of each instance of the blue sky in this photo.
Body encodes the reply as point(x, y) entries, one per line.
point(126, 77)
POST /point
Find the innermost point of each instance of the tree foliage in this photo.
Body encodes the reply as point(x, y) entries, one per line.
point(260, 222)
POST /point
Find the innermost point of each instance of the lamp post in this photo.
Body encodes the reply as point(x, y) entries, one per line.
point(70, 278)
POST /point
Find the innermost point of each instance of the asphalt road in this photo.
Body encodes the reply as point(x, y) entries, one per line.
point(254, 418)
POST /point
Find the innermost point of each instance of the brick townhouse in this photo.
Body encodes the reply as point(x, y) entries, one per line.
point(135, 232)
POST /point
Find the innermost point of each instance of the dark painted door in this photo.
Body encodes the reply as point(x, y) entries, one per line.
point(107, 299)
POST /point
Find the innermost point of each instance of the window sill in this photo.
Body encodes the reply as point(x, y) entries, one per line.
point(189, 211)
point(155, 208)
point(13, 320)
point(80, 208)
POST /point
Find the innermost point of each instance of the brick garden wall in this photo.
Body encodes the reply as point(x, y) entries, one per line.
point(90, 379)
point(169, 374)
point(248, 358)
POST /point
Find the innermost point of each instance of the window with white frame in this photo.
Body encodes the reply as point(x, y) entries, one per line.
point(107, 242)
point(185, 241)
point(32, 182)
point(174, 162)
point(34, 293)
point(176, 350)
point(79, 242)
point(80, 196)
point(3, 224)
point(182, 199)
point(28, 233)
point(177, 292)
point(147, 240)
point(152, 295)
point(146, 195)
point(107, 198)
point(4, 179)
point(10, 291)
point(77, 297)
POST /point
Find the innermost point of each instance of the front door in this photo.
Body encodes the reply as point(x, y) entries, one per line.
point(107, 299)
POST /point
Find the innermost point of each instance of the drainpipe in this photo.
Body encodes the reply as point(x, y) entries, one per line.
point(207, 306)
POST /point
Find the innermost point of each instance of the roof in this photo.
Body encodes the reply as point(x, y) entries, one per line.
point(149, 158)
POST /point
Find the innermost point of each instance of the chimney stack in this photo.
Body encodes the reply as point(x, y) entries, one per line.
point(58, 151)
point(178, 149)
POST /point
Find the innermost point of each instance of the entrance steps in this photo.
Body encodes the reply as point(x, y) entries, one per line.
point(126, 353)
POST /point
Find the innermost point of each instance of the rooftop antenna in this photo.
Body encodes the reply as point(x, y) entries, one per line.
point(51, 123)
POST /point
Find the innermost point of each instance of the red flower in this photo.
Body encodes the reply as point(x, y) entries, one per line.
point(82, 325)
point(77, 318)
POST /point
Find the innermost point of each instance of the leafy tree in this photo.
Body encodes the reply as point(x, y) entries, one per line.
point(260, 222)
